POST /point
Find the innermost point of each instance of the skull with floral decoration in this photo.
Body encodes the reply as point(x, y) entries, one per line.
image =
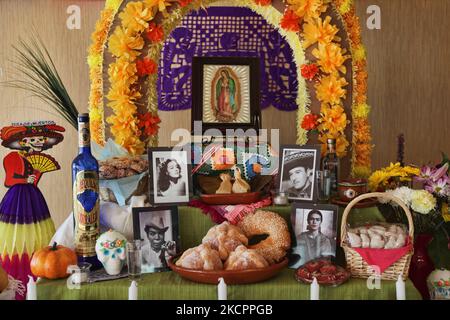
point(111, 251)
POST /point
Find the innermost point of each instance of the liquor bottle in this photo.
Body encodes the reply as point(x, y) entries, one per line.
point(86, 208)
point(331, 163)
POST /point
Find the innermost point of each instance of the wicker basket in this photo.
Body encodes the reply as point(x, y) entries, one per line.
point(356, 264)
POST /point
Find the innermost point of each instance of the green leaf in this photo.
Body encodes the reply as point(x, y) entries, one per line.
point(42, 78)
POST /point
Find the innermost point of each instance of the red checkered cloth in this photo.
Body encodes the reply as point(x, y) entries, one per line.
point(231, 213)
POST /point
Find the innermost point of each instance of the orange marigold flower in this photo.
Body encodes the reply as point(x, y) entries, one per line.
point(330, 89)
point(154, 32)
point(307, 9)
point(330, 57)
point(159, 5)
point(309, 71)
point(290, 21)
point(148, 123)
point(318, 30)
point(146, 66)
point(122, 71)
point(361, 98)
point(135, 16)
point(334, 119)
point(309, 121)
point(122, 44)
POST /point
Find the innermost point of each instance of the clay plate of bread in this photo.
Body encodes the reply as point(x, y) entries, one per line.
point(229, 276)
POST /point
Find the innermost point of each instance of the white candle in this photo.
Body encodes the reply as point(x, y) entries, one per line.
point(31, 289)
point(400, 288)
point(133, 291)
point(222, 289)
point(314, 290)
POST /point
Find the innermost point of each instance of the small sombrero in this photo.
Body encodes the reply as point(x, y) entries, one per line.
point(13, 134)
point(297, 159)
point(156, 223)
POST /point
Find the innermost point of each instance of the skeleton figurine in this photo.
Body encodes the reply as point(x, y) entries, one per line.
point(111, 251)
point(25, 221)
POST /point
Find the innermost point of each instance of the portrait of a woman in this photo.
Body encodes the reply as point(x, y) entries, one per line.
point(170, 179)
point(226, 105)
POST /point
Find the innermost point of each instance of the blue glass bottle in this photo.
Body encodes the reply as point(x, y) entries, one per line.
point(86, 203)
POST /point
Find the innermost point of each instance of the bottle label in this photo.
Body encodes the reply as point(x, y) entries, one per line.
point(86, 212)
point(84, 135)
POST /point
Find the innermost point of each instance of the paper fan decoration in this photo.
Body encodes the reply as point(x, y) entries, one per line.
point(43, 162)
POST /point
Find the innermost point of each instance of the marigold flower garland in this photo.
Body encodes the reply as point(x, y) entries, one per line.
point(126, 44)
point(305, 15)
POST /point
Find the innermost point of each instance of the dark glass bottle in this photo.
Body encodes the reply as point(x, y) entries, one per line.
point(86, 205)
point(331, 163)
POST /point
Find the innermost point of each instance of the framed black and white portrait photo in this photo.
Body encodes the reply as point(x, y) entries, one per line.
point(297, 171)
point(157, 228)
point(170, 176)
point(315, 229)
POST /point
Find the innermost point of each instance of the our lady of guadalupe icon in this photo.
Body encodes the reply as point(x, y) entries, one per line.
point(25, 222)
point(226, 102)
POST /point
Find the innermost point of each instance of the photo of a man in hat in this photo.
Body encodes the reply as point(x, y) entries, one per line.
point(156, 249)
point(298, 167)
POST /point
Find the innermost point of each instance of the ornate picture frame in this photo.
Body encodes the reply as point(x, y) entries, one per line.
point(225, 93)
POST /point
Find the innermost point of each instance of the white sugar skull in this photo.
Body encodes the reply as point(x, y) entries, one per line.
point(111, 251)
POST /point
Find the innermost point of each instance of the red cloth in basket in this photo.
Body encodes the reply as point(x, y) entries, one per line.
point(383, 258)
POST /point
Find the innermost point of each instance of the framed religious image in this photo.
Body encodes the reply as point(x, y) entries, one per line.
point(297, 171)
point(170, 176)
point(315, 229)
point(225, 93)
point(157, 228)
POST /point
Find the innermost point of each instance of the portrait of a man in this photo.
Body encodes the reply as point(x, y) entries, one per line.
point(315, 233)
point(298, 167)
point(158, 230)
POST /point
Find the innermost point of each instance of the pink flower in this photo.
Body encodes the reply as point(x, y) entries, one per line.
point(429, 174)
point(439, 187)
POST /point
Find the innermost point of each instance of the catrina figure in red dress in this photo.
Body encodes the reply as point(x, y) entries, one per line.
point(25, 222)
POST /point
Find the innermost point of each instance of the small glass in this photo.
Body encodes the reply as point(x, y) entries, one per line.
point(79, 273)
point(134, 259)
point(323, 185)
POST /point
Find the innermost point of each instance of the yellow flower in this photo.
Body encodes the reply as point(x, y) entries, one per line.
point(159, 5)
point(334, 119)
point(113, 4)
point(359, 53)
point(135, 16)
point(422, 201)
point(330, 89)
point(307, 9)
point(330, 58)
point(319, 31)
point(378, 179)
point(341, 144)
point(412, 171)
point(94, 60)
point(122, 44)
point(360, 171)
point(360, 110)
point(122, 71)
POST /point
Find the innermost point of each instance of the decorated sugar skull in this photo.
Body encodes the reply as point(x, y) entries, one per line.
point(439, 284)
point(111, 251)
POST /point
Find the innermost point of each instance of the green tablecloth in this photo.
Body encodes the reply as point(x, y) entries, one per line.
point(168, 285)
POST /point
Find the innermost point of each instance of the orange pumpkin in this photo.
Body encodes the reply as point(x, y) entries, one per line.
point(3, 279)
point(51, 262)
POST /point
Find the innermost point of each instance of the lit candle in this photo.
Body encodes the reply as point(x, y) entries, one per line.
point(222, 289)
point(400, 288)
point(314, 290)
point(31, 289)
point(133, 291)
